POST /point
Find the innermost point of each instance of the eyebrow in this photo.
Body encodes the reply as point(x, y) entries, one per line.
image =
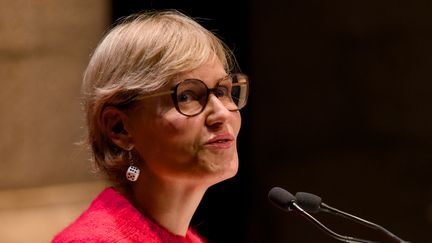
point(217, 80)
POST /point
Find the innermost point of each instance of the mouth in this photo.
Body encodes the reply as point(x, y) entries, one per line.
point(222, 141)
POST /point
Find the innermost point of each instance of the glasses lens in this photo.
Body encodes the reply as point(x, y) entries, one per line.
point(239, 92)
point(191, 97)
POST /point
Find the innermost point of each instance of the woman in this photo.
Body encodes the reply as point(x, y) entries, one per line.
point(162, 101)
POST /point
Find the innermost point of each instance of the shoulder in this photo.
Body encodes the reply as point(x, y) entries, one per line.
point(109, 218)
point(92, 226)
point(96, 224)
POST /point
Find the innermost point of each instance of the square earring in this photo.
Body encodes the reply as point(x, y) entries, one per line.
point(132, 173)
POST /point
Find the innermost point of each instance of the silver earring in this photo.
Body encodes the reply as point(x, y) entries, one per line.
point(132, 172)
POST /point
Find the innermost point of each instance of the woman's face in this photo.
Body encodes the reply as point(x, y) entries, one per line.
point(200, 148)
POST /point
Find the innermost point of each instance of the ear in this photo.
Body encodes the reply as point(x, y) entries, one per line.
point(114, 123)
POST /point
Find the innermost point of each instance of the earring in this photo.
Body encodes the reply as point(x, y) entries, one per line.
point(132, 172)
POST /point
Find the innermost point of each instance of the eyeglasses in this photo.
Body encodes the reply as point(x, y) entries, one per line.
point(190, 96)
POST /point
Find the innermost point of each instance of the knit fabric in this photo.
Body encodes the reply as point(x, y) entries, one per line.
point(112, 218)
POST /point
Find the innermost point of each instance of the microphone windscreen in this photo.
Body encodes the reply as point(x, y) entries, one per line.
point(281, 198)
point(309, 202)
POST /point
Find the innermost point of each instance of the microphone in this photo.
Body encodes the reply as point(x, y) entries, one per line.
point(313, 204)
point(287, 202)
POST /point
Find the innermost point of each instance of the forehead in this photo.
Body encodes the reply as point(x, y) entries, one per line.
point(209, 72)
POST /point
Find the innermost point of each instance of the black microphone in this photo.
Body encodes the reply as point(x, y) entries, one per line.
point(287, 202)
point(313, 204)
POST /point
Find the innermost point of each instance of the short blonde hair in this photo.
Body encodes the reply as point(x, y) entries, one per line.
point(141, 54)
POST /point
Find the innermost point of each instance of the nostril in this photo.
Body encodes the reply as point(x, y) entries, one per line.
point(215, 126)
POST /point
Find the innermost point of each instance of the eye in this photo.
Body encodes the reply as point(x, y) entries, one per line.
point(187, 96)
point(222, 91)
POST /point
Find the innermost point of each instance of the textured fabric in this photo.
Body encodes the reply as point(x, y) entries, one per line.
point(112, 218)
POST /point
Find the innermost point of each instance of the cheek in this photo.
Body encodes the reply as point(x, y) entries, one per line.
point(237, 123)
point(179, 132)
point(175, 124)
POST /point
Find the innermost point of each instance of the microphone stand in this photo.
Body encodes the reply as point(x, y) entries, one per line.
point(326, 208)
point(296, 208)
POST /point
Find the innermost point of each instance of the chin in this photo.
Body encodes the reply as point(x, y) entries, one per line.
point(215, 169)
point(228, 171)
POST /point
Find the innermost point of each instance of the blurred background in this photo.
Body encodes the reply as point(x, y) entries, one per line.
point(339, 107)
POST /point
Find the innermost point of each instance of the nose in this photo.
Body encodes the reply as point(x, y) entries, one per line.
point(216, 112)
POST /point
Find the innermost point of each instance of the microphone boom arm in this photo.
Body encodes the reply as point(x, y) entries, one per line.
point(296, 208)
point(326, 208)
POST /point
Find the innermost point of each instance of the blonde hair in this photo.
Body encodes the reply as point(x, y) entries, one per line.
point(141, 54)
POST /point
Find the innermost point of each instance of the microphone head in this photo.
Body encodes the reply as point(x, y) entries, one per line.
point(281, 198)
point(309, 202)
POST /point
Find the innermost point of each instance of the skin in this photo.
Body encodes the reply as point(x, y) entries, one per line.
point(180, 159)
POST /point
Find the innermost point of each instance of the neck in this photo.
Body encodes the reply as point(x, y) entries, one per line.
point(170, 203)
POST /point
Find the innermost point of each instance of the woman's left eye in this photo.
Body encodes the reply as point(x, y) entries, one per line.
point(222, 91)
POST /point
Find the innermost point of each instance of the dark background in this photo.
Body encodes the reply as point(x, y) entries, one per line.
point(339, 106)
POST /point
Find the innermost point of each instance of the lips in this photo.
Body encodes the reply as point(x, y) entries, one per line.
point(222, 141)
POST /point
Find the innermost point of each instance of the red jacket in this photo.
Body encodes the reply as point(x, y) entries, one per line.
point(111, 218)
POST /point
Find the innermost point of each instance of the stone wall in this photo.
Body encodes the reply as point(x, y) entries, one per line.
point(44, 48)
